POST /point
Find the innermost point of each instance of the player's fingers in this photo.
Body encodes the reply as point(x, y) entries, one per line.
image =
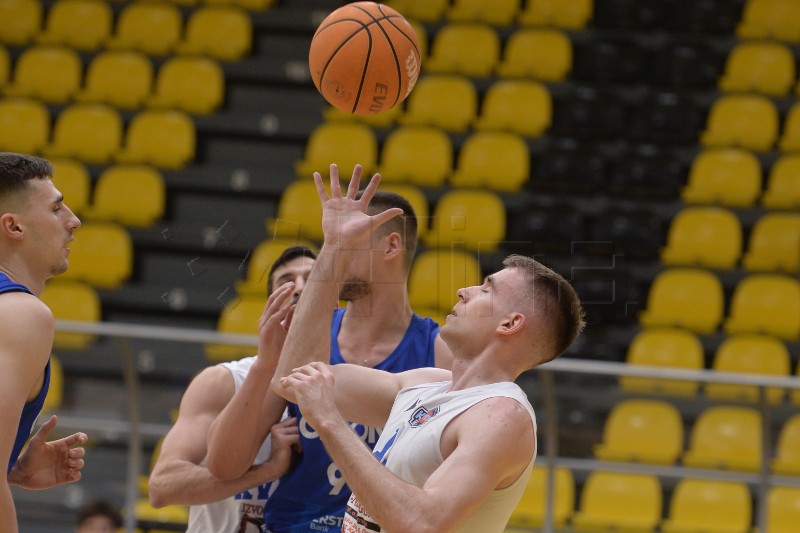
point(75, 438)
point(321, 192)
point(77, 453)
point(369, 190)
point(385, 216)
point(76, 464)
point(352, 189)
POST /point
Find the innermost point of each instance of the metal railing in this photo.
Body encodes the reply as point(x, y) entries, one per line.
point(136, 428)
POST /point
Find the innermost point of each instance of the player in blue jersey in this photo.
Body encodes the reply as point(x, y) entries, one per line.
point(377, 329)
point(35, 230)
point(180, 475)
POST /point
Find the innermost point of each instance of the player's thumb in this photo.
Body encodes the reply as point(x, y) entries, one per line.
point(47, 427)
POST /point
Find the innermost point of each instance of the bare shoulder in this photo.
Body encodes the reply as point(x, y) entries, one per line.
point(419, 376)
point(210, 390)
point(27, 326)
point(17, 307)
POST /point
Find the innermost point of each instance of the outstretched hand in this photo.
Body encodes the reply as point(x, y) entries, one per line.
point(46, 464)
point(274, 323)
point(344, 218)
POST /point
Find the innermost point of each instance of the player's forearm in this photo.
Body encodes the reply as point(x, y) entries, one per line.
point(8, 515)
point(394, 504)
point(308, 340)
point(184, 483)
point(238, 431)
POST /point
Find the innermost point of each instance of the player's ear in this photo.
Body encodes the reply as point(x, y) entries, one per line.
point(10, 226)
point(511, 323)
point(394, 245)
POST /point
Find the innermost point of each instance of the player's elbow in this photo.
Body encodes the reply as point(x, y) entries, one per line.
point(158, 493)
point(223, 470)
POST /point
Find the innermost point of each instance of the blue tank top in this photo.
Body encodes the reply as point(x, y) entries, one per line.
point(32, 409)
point(312, 496)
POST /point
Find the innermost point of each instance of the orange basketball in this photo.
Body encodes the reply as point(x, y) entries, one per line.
point(364, 58)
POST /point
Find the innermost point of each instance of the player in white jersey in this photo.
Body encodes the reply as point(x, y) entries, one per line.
point(180, 475)
point(457, 446)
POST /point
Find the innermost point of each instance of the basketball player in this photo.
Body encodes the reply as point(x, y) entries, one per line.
point(180, 475)
point(35, 230)
point(457, 447)
point(376, 329)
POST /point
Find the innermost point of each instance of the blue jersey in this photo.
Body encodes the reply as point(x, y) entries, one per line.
point(312, 496)
point(31, 410)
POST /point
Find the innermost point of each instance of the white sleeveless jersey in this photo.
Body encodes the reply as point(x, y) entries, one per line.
point(410, 448)
point(244, 512)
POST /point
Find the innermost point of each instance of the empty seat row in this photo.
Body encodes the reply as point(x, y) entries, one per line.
point(93, 133)
point(694, 299)
point(761, 67)
point(131, 195)
point(123, 79)
point(615, 501)
point(711, 237)
point(572, 15)
point(770, 19)
point(154, 28)
point(751, 121)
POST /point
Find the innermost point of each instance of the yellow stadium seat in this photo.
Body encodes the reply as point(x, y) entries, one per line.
point(299, 214)
point(762, 67)
point(724, 176)
point(131, 195)
point(418, 201)
point(101, 255)
point(705, 505)
point(531, 510)
point(540, 53)
point(664, 348)
point(774, 244)
point(343, 143)
point(787, 451)
point(249, 5)
point(770, 19)
point(424, 11)
point(121, 78)
point(259, 263)
point(435, 277)
point(449, 102)
point(755, 355)
point(55, 393)
point(153, 28)
point(89, 132)
point(642, 431)
point(747, 120)
point(222, 32)
point(48, 73)
point(72, 179)
point(80, 24)
point(24, 125)
point(240, 316)
point(783, 509)
point(688, 298)
point(709, 237)
point(466, 48)
point(496, 160)
point(162, 138)
point(72, 300)
point(27, 17)
point(497, 13)
point(766, 303)
point(421, 155)
point(725, 437)
point(384, 119)
point(783, 187)
point(195, 85)
point(570, 14)
point(5, 66)
point(518, 106)
point(612, 501)
point(468, 218)
point(790, 140)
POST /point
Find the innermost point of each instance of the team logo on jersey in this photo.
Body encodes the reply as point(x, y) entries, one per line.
point(422, 415)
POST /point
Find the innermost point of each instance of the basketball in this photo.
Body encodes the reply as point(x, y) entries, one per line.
point(364, 58)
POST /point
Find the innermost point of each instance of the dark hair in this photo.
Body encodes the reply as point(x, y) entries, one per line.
point(100, 508)
point(547, 286)
point(17, 169)
point(292, 252)
point(405, 225)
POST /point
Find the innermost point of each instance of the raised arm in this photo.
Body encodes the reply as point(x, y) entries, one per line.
point(180, 475)
point(235, 436)
point(346, 228)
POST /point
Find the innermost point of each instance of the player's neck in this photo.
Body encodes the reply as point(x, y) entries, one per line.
point(483, 369)
point(21, 275)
